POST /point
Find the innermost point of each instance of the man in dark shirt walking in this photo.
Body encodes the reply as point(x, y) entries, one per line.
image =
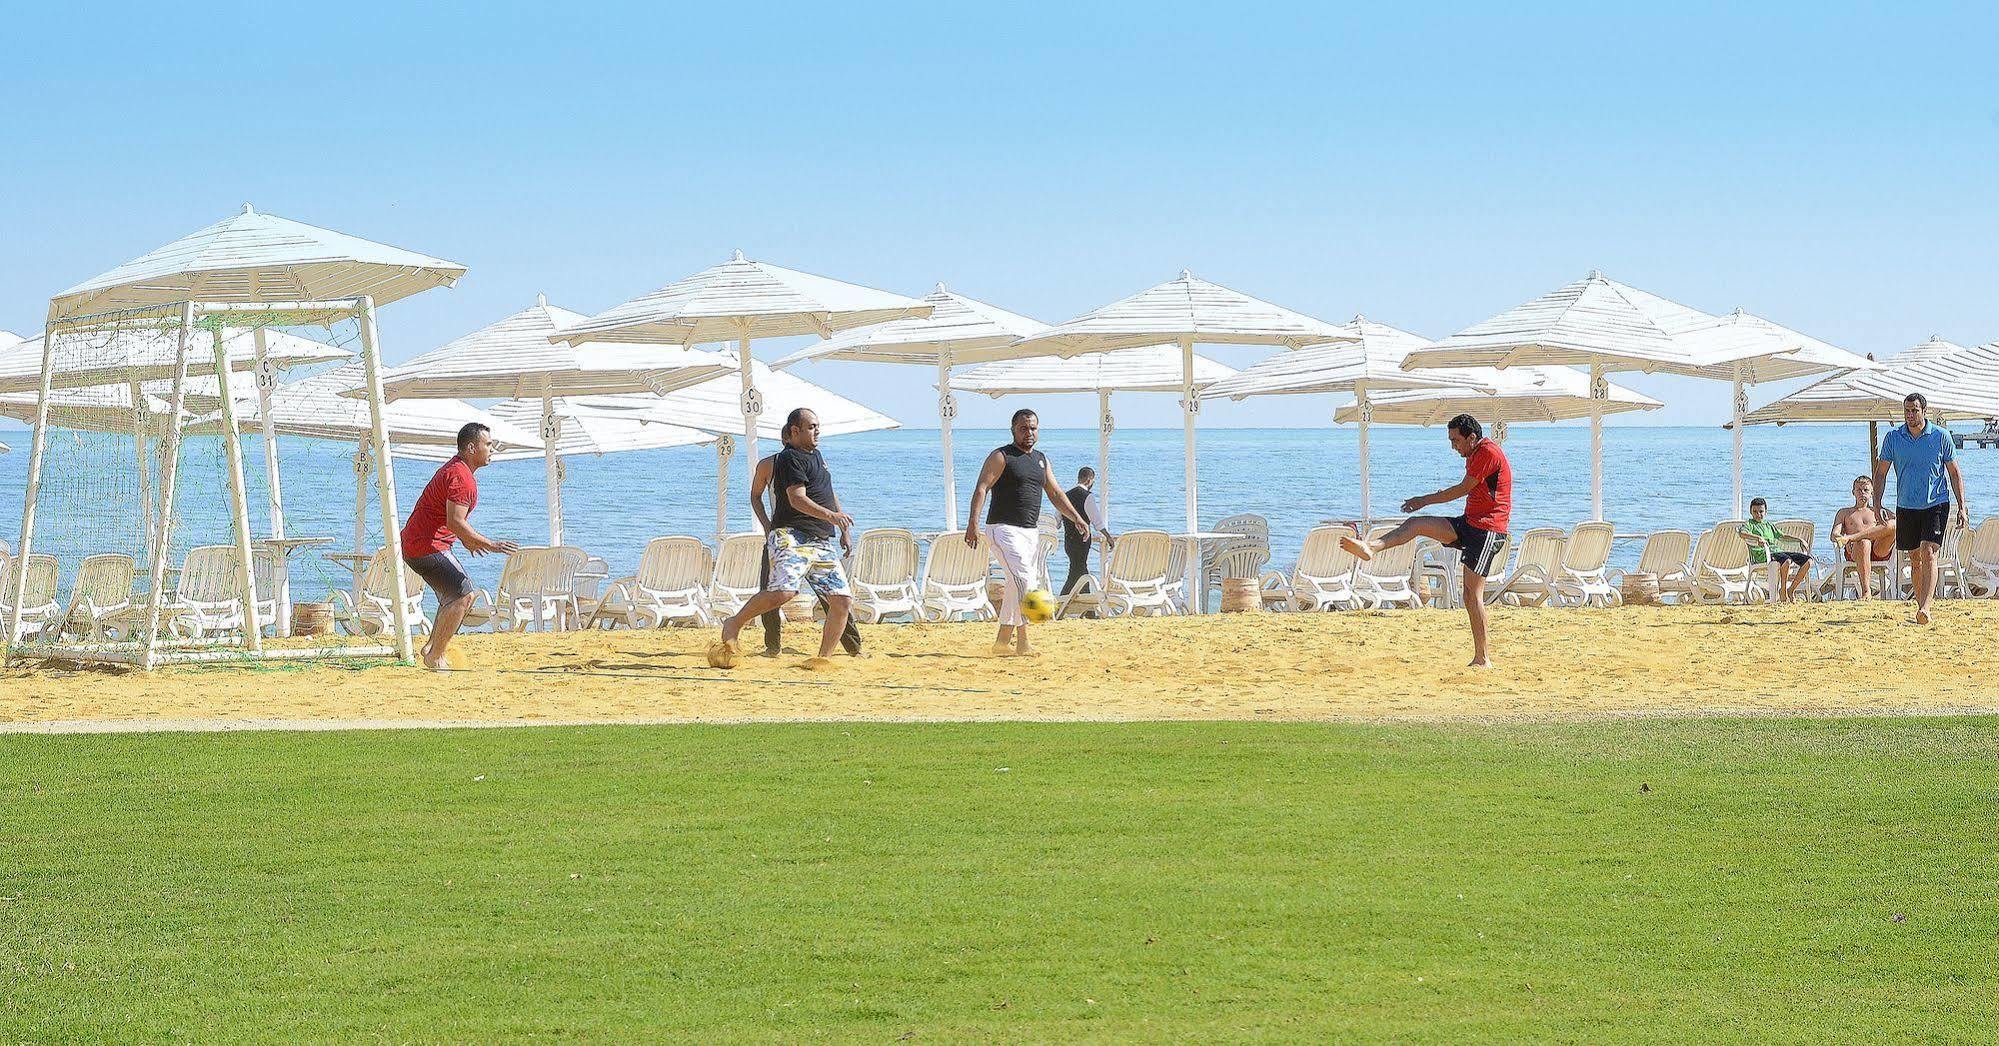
point(801, 543)
point(1075, 540)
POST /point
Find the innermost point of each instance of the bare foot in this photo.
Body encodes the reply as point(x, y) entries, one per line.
point(1002, 648)
point(435, 664)
point(1023, 650)
point(1360, 549)
point(1922, 617)
point(1481, 665)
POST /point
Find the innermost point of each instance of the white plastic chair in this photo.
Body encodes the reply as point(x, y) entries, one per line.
point(735, 580)
point(209, 597)
point(1224, 559)
point(1387, 579)
point(1726, 575)
point(40, 613)
point(954, 580)
point(1323, 577)
point(885, 574)
point(671, 584)
point(536, 590)
point(1138, 575)
point(1582, 579)
point(375, 612)
point(102, 591)
point(1535, 569)
point(1979, 560)
point(1664, 557)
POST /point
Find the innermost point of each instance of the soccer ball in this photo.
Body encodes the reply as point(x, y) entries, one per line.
point(1038, 606)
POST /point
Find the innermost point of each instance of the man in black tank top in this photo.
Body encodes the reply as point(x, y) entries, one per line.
point(1016, 477)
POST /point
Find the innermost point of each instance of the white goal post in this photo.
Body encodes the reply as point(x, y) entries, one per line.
point(118, 487)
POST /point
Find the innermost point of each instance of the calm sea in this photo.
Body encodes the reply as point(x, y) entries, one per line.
point(1655, 478)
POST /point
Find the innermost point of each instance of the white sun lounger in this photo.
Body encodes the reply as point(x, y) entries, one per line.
point(1387, 579)
point(1323, 577)
point(737, 560)
point(102, 591)
point(1980, 559)
point(671, 585)
point(1724, 573)
point(886, 574)
point(40, 613)
point(536, 590)
point(375, 613)
point(1535, 568)
point(1136, 576)
point(1582, 579)
point(954, 579)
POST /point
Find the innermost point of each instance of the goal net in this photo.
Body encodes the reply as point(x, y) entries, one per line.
point(162, 523)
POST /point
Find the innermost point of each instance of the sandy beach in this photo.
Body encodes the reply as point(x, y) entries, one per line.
point(1400, 665)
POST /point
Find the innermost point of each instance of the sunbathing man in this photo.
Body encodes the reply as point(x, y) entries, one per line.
point(1926, 482)
point(1017, 477)
point(773, 620)
point(443, 515)
point(1766, 543)
point(1479, 535)
point(801, 544)
point(1850, 527)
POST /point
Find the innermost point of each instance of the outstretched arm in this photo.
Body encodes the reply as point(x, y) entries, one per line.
point(989, 474)
point(1448, 494)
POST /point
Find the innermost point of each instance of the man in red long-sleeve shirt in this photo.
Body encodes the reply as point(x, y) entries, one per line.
point(443, 516)
point(1479, 535)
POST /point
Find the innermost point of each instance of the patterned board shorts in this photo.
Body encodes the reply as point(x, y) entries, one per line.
point(797, 561)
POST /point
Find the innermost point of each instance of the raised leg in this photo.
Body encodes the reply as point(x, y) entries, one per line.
point(1436, 528)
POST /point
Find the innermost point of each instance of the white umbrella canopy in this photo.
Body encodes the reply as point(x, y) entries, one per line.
point(1517, 394)
point(1961, 384)
point(316, 408)
point(712, 407)
point(1186, 311)
point(740, 301)
point(252, 257)
point(1148, 368)
point(122, 357)
point(520, 357)
point(1371, 363)
point(958, 331)
point(98, 408)
point(585, 432)
point(1607, 326)
point(1846, 397)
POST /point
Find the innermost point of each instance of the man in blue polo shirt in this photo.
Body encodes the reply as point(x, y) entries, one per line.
point(1926, 482)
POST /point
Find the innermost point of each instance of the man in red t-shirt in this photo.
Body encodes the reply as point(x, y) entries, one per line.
point(1479, 535)
point(443, 516)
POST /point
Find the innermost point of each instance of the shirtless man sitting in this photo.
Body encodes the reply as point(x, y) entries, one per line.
point(1855, 529)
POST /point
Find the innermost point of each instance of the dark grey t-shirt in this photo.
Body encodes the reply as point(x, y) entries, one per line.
point(792, 467)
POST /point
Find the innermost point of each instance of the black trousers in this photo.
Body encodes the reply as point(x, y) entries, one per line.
point(1079, 564)
point(850, 637)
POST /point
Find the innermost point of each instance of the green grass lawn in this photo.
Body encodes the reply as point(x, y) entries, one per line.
point(1753, 879)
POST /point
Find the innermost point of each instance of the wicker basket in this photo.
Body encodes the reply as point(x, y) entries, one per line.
point(1641, 590)
point(312, 619)
point(1242, 595)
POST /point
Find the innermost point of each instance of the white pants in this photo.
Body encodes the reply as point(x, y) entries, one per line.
point(1019, 552)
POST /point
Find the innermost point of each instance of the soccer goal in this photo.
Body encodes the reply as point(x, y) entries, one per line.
point(149, 536)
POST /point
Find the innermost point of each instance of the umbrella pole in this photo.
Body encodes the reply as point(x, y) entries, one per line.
point(551, 434)
point(1189, 407)
point(1741, 404)
point(145, 467)
point(267, 382)
point(1873, 445)
point(752, 403)
point(385, 477)
point(1106, 423)
point(725, 447)
point(947, 410)
point(1599, 391)
point(1366, 413)
point(361, 470)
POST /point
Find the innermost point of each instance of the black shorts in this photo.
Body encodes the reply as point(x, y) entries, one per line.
point(442, 573)
point(1915, 526)
point(1477, 547)
point(1796, 559)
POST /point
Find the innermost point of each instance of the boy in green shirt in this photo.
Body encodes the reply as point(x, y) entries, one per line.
point(1766, 542)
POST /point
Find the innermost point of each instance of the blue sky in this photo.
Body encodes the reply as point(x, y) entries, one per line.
point(1829, 166)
